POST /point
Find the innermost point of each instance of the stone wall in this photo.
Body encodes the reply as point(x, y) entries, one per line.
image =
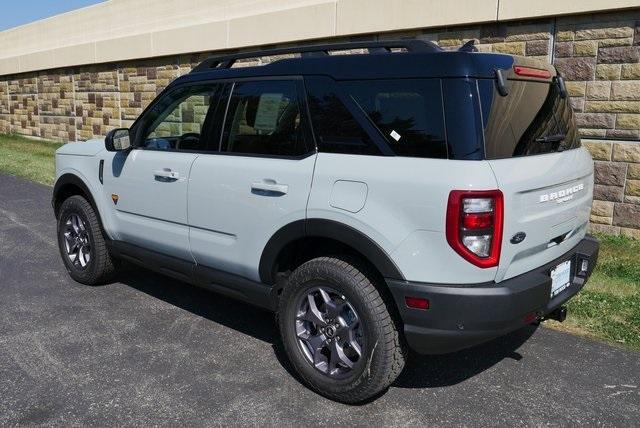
point(599, 54)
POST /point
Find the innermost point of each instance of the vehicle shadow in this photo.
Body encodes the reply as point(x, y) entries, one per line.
point(420, 372)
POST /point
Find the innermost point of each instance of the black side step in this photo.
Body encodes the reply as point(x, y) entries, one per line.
point(234, 286)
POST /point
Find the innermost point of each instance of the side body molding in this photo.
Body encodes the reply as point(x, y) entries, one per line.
point(320, 228)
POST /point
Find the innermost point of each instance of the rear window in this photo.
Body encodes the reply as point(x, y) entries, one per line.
point(407, 112)
point(532, 119)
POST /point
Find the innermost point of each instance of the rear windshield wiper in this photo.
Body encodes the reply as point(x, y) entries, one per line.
point(554, 138)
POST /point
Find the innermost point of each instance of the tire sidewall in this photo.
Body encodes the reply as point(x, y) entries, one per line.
point(299, 283)
point(77, 205)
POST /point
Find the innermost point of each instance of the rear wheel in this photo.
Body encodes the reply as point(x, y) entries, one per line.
point(82, 244)
point(338, 332)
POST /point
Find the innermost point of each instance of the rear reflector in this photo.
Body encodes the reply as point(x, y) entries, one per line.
point(417, 303)
point(478, 221)
point(531, 72)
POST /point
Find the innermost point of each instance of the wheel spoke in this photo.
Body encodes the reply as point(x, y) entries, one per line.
point(75, 225)
point(338, 357)
point(353, 343)
point(313, 314)
point(333, 308)
point(81, 257)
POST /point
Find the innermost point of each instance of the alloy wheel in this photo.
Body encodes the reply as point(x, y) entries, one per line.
point(329, 331)
point(76, 241)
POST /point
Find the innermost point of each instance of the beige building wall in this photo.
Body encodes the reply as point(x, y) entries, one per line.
point(78, 75)
point(117, 30)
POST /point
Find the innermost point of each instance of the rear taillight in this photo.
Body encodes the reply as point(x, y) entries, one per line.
point(474, 225)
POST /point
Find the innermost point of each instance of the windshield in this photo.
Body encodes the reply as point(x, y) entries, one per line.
point(532, 119)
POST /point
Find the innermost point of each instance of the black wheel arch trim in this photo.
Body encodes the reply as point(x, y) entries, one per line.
point(322, 228)
point(73, 179)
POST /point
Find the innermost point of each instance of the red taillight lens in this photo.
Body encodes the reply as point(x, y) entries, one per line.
point(417, 303)
point(478, 221)
point(474, 225)
point(531, 72)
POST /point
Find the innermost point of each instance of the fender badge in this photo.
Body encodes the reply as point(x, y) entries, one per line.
point(518, 238)
point(115, 199)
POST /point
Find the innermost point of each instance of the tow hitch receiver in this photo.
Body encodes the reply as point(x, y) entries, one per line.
point(558, 314)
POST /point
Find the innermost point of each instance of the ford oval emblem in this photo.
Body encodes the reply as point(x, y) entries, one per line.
point(518, 237)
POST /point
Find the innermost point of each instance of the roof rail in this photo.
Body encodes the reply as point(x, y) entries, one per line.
point(381, 47)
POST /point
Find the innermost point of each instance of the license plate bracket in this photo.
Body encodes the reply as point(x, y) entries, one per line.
point(560, 278)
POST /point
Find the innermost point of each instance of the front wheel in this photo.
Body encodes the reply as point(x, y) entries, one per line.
point(82, 244)
point(338, 331)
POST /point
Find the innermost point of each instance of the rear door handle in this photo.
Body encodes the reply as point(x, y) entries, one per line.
point(166, 173)
point(269, 186)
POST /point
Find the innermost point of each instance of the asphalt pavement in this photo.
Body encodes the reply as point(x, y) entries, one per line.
point(153, 351)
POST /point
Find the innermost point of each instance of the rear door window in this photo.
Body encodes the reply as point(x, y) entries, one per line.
point(265, 118)
point(407, 112)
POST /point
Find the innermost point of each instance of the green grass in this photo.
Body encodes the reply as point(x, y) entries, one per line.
point(607, 308)
point(30, 159)
point(609, 305)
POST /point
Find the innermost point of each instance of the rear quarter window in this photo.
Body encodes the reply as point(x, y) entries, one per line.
point(408, 113)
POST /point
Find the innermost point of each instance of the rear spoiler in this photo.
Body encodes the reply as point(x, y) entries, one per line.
point(530, 70)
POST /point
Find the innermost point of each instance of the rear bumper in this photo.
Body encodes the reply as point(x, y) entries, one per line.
point(461, 316)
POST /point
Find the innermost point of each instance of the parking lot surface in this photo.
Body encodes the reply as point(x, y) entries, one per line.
point(150, 350)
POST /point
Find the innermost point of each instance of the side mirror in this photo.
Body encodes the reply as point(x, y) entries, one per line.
point(118, 140)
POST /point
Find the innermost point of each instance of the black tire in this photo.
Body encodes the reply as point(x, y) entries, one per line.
point(383, 352)
point(101, 267)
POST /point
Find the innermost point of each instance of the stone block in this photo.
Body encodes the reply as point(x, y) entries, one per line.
point(576, 89)
point(576, 68)
point(626, 152)
point(520, 33)
point(577, 103)
point(626, 215)
point(628, 121)
point(595, 120)
point(630, 71)
point(585, 48)
point(632, 188)
point(563, 49)
point(627, 41)
point(608, 193)
point(633, 172)
point(598, 90)
point(608, 71)
point(632, 200)
point(612, 107)
point(603, 228)
point(564, 36)
point(537, 47)
point(511, 48)
point(592, 132)
point(602, 208)
point(625, 90)
point(623, 134)
point(630, 233)
point(604, 33)
point(610, 173)
point(619, 55)
point(600, 220)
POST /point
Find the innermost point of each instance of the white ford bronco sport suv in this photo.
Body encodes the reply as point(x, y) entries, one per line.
point(399, 198)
